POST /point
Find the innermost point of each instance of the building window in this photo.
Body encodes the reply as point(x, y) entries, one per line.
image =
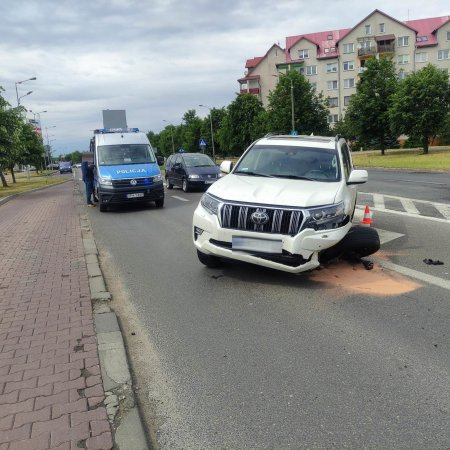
point(332, 67)
point(311, 70)
point(330, 37)
point(302, 54)
point(402, 75)
point(403, 59)
point(368, 29)
point(244, 86)
point(326, 50)
point(332, 102)
point(332, 85)
point(313, 85)
point(448, 35)
point(349, 83)
point(443, 54)
point(333, 118)
point(349, 48)
point(347, 100)
point(403, 41)
point(382, 28)
point(421, 57)
point(333, 49)
point(349, 65)
point(422, 39)
point(301, 70)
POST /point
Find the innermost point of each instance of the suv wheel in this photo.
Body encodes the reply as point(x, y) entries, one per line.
point(208, 260)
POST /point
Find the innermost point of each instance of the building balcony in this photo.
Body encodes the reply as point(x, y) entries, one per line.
point(250, 91)
point(386, 48)
point(367, 51)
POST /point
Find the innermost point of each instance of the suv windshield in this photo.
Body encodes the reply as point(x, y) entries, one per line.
point(294, 162)
point(110, 155)
point(198, 161)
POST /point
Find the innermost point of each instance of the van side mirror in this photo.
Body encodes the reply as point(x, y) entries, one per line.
point(160, 160)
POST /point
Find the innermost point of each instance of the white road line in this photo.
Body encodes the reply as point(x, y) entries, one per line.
point(443, 209)
point(180, 198)
point(409, 206)
point(430, 279)
point(378, 201)
point(405, 214)
point(387, 236)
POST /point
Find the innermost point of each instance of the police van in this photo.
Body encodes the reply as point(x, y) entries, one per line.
point(126, 168)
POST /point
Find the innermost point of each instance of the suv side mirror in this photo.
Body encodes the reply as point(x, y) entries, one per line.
point(358, 177)
point(226, 166)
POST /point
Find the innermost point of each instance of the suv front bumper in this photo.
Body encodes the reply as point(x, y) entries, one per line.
point(300, 253)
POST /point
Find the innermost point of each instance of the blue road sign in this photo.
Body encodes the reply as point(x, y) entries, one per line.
point(202, 142)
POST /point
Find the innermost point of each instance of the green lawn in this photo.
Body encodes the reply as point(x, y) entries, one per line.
point(27, 183)
point(436, 159)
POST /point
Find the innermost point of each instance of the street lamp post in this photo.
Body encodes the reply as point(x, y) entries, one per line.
point(171, 132)
point(17, 92)
point(212, 133)
point(39, 128)
point(22, 96)
point(48, 142)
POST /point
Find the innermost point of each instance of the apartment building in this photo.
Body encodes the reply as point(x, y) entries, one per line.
point(332, 61)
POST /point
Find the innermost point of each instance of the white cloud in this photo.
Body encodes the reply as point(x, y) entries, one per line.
point(155, 58)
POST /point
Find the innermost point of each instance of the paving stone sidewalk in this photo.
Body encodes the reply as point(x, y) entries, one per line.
point(51, 392)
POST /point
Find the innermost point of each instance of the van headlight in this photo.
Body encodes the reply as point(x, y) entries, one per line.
point(325, 217)
point(156, 178)
point(210, 203)
point(194, 177)
point(105, 181)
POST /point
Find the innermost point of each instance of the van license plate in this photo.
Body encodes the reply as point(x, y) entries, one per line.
point(137, 194)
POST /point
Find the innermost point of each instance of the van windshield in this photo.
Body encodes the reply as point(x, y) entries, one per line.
point(112, 155)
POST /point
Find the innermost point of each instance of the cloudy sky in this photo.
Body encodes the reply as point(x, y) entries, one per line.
point(154, 58)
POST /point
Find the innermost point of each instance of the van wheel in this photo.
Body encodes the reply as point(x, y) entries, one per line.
point(159, 203)
point(185, 185)
point(168, 184)
point(209, 260)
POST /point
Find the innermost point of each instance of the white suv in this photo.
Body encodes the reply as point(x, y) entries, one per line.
point(286, 201)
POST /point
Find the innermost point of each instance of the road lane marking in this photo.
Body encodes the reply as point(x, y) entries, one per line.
point(430, 279)
point(180, 198)
point(406, 214)
point(387, 236)
point(443, 209)
point(409, 206)
point(378, 201)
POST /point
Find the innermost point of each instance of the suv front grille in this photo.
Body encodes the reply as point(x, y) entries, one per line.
point(281, 221)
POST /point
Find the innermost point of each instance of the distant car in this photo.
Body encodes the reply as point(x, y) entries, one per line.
point(77, 165)
point(52, 166)
point(190, 170)
point(65, 167)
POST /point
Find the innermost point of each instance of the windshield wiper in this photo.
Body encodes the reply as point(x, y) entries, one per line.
point(253, 174)
point(204, 165)
point(296, 177)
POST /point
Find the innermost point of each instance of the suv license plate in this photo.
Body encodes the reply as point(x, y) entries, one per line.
point(137, 194)
point(257, 245)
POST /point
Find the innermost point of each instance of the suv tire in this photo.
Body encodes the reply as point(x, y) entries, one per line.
point(360, 241)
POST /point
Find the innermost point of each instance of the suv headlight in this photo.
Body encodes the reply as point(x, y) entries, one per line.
point(211, 204)
point(105, 181)
point(326, 217)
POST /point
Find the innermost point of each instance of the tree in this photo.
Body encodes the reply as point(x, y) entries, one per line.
point(190, 128)
point(241, 124)
point(421, 105)
point(367, 115)
point(310, 110)
point(217, 115)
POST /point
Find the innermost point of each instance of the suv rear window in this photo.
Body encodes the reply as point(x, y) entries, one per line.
point(282, 161)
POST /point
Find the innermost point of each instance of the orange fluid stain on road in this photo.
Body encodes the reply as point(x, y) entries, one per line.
point(348, 276)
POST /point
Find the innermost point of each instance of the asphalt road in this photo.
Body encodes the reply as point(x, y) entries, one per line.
point(244, 357)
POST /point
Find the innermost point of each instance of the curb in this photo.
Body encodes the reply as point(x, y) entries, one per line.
point(122, 410)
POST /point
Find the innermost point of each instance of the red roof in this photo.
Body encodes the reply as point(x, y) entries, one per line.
point(426, 29)
point(253, 62)
point(249, 77)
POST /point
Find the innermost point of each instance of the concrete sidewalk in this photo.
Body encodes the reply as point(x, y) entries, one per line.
point(64, 378)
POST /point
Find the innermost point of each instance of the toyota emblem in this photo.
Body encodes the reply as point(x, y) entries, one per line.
point(133, 182)
point(260, 217)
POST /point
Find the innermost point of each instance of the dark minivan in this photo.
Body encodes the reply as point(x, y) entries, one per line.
point(65, 167)
point(190, 170)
